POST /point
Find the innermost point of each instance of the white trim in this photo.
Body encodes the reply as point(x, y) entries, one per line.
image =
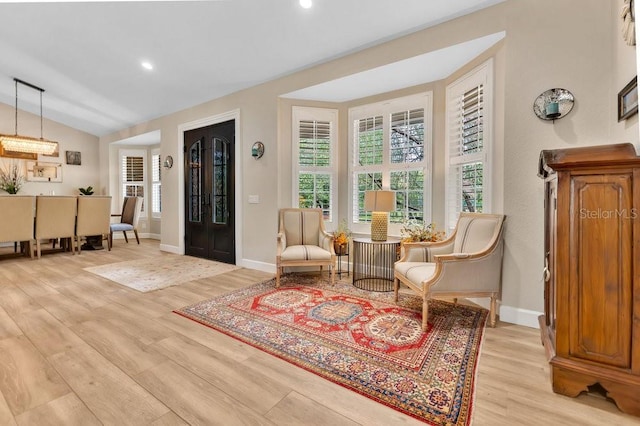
point(259, 266)
point(239, 219)
point(135, 152)
point(519, 316)
point(171, 249)
point(484, 75)
point(298, 114)
point(152, 153)
point(385, 108)
point(511, 314)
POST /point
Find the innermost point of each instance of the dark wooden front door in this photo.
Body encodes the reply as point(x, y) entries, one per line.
point(209, 192)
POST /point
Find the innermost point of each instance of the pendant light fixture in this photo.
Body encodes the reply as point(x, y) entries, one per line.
point(18, 143)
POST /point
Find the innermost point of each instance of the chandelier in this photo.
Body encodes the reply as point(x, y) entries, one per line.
point(18, 143)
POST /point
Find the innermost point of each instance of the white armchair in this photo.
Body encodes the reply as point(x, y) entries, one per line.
point(303, 241)
point(467, 264)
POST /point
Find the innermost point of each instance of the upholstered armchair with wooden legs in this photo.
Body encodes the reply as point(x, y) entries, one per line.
point(94, 218)
point(303, 241)
point(467, 264)
point(131, 208)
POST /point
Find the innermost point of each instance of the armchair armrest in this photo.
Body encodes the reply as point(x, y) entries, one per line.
point(326, 241)
point(281, 243)
point(425, 251)
point(470, 272)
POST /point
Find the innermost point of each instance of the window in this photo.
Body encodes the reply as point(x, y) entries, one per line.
point(469, 118)
point(391, 149)
point(314, 155)
point(132, 176)
point(156, 183)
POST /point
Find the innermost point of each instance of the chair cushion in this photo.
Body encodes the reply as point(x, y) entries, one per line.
point(120, 227)
point(416, 272)
point(305, 252)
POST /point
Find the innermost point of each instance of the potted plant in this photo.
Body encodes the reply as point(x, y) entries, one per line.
point(11, 178)
point(341, 237)
point(413, 231)
point(86, 191)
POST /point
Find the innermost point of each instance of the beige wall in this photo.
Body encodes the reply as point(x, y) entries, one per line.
point(69, 139)
point(564, 49)
point(548, 44)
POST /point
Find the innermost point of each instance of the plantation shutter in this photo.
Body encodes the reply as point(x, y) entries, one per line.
point(156, 185)
point(467, 124)
point(133, 176)
point(314, 131)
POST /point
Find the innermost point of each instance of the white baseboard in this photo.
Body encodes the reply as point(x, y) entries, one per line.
point(260, 266)
point(519, 316)
point(171, 249)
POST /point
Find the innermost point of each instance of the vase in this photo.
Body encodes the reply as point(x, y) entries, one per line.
point(341, 249)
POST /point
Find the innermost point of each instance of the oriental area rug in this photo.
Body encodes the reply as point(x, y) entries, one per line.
point(160, 271)
point(361, 340)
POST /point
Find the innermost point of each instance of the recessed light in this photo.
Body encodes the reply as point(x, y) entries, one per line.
point(306, 3)
point(147, 65)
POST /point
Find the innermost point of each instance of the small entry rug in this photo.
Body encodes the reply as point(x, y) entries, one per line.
point(160, 271)
point(360, 340)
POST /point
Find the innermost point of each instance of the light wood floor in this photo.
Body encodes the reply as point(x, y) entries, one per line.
point(76, 349)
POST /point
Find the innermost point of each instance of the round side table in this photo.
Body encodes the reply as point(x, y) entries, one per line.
point(373, 263)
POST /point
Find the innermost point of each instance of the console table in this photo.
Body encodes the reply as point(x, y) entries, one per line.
point(373, 263)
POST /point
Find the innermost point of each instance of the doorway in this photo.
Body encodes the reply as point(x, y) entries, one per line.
point(209, 156)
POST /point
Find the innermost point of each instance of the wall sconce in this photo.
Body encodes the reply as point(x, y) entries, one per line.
point(553, 104)
point(257, 150)
point(168, 162)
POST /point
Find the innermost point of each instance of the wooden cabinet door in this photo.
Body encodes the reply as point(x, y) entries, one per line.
point(600, 273)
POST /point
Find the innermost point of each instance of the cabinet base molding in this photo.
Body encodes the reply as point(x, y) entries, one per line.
point(571, 383)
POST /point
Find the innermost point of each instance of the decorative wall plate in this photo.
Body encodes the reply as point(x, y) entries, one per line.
point(257, 150)
point(563, 97)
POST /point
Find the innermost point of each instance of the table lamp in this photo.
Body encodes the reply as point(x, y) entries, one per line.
point(380, 203)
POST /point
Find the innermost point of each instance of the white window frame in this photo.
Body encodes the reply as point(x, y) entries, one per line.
point(133, 153)
point(482, 75)
point(155, 153)
point(318, 114)
point(386, 109)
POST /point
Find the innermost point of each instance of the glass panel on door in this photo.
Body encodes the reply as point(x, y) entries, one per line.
point(194, 184)
point(220, 212)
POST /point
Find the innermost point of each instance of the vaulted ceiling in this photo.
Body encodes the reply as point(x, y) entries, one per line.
point(87, 56)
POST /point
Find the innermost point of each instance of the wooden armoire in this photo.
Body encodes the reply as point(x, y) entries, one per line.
point(591, 322)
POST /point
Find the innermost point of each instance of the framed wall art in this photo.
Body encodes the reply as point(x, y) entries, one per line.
point(74, 158)
point(37, 171)
point(628, 100)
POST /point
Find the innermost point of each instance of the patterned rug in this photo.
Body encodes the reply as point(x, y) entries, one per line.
point(159, 272)
point(361, 340)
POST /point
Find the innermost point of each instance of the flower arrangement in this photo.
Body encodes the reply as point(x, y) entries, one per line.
point(11, 178)
point(414, 231)
point(341, 237)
